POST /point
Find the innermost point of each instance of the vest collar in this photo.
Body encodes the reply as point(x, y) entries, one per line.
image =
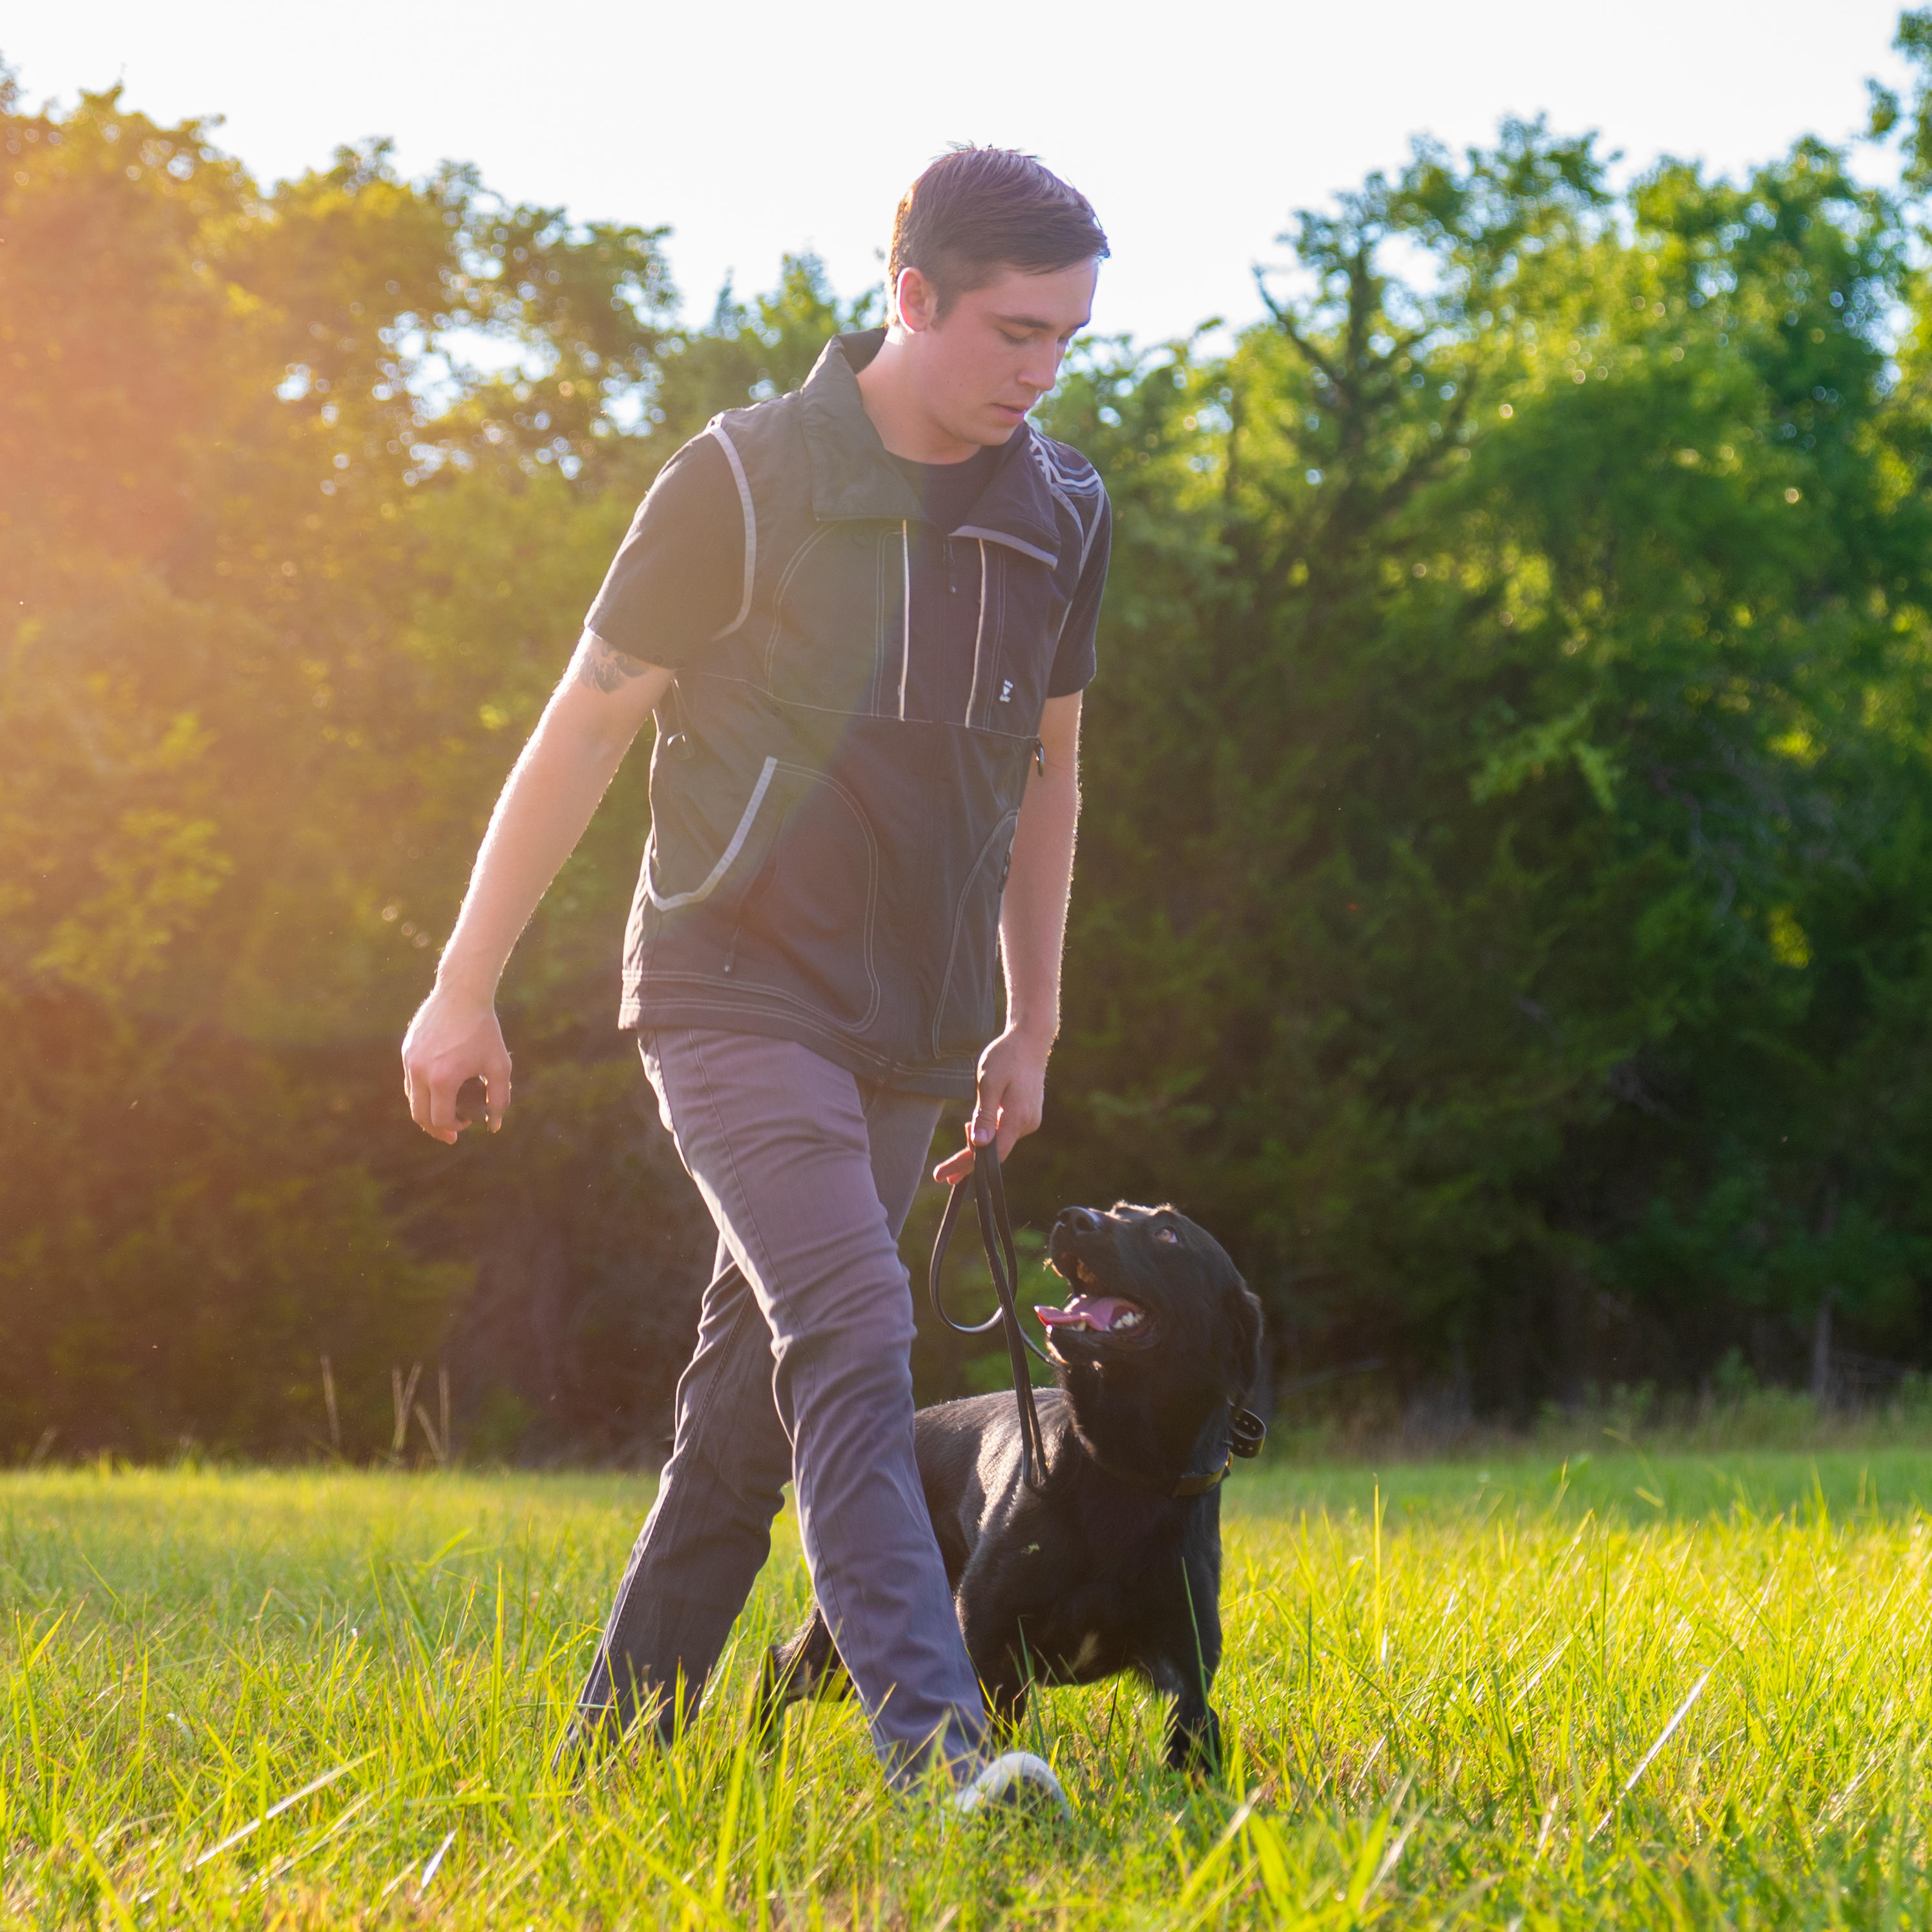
point(852, 475)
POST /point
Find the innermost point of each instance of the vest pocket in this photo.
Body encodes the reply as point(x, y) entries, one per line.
point(967, 1011)
point(734, 846)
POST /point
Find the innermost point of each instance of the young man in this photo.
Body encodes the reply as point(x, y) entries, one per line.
point(863, 614)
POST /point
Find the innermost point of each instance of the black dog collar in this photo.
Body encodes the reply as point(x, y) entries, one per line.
point(1250, 1431)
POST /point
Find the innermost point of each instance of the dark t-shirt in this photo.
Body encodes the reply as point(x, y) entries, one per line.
point(677, 580)
point(947, 491)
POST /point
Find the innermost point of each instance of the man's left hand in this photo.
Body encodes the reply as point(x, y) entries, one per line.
point(1012, 1093)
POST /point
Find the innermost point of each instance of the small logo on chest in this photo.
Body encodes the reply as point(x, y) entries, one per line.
point(1006, 690)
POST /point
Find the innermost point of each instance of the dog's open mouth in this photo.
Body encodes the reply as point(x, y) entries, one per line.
point(1090, 1310)
point(1098, 1314)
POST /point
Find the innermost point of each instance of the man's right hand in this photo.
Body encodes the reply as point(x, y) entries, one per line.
point(451, 1039)
point(586, 727)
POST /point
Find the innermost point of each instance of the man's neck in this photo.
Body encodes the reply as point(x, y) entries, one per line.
point(889, 390)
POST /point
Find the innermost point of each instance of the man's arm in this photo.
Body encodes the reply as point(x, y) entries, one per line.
point(1033, 929)
point(596, 710)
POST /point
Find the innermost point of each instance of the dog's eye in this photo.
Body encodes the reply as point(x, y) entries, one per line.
point(1168, 1235)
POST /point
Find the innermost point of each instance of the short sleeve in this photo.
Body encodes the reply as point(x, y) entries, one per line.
point(1074, 662)
point(678, 577)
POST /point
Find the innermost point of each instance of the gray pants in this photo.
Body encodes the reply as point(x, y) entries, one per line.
point(803, 1370)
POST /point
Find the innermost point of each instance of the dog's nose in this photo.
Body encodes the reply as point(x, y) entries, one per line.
point(1085, 1218)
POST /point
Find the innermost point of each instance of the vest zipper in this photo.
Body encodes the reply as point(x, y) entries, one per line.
point(905, 641)
point(979, 635)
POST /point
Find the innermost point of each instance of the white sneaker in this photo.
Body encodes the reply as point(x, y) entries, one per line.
point(1018, 1779)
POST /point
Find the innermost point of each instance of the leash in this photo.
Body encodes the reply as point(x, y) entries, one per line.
point(996, 1234)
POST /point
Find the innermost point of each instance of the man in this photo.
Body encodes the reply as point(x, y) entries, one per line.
point(863, 614)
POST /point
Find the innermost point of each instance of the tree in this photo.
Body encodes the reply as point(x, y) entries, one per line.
point(1501, 911)
point(260, 641)
point(1486, 701)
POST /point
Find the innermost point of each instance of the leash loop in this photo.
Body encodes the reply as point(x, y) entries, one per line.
point(996, 1234)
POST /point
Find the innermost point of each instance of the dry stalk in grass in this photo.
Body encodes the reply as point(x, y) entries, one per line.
point(328, 1398)
point(404, 1395)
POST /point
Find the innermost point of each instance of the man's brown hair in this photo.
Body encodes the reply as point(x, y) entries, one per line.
point(978, 210)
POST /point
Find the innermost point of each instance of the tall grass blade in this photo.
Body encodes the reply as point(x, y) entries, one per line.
point(1664, 1737)
point(276, 1809)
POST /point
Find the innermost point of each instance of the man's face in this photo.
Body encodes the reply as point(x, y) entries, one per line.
point(997, 350)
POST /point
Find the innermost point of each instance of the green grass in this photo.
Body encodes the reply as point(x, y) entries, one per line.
point(256, 1699)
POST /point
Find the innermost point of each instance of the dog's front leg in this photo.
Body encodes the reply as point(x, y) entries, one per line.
point(1003, 1679)
point(1193, 1737)
point(1193, 1729)
point(992, 1603)
point(999, 1656)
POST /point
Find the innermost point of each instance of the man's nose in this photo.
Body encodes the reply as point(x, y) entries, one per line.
point(1042, 371)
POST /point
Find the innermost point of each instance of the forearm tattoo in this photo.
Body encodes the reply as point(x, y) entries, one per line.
point(603, 667)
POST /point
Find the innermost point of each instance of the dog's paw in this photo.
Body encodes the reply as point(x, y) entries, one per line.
point(1194, 1748)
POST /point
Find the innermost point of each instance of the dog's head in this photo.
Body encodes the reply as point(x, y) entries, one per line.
point(1161, 1339)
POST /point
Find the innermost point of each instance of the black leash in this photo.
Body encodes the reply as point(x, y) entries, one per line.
point(996, 1232)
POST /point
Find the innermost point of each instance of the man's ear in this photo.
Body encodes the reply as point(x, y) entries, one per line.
point(915, 302)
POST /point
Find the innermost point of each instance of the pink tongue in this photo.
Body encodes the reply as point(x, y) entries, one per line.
point(1085, 1311)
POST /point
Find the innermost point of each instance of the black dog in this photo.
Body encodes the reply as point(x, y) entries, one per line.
point(1115, 1564)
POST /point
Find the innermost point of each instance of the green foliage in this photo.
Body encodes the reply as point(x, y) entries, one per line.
point(1630, 1692)
point(1513, 723)
point(1500, 914)
point(285, 590)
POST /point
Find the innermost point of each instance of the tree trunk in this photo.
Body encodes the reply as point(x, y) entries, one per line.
point(1821, 1352)
point(1821, 1327)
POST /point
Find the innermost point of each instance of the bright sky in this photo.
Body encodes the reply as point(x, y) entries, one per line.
point(751, 128)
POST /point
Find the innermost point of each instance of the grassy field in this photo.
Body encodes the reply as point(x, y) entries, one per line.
point(1624, 1690)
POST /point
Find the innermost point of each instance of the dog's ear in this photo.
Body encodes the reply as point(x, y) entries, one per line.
point(1245, 1339)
